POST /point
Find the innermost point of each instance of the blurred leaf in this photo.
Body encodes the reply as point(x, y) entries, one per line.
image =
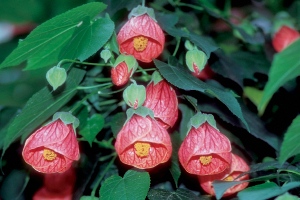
point(266, 190)
point(43, 45)
point(221, 186)
point(115, 5)
point(287, 196)
point(133, 186)
point(92, 128)
point(253, 94)
point(290, 145)
point(40, 107)
point(167, 22)
point(88, 39)
point(285, 66)
point(14, 184)
point(178, 76)
point(117, 122)
point(175, 168)
point(187, 113)
point(273, 165)
point(180, 194)
point(88, 198)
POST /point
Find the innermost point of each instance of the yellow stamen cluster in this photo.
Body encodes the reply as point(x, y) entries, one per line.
point(205, 160)
point(140, 43)
point(142, 149)
point(49, 155)
point(228, 178)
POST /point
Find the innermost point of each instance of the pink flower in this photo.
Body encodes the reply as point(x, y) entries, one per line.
point(162, 99)
point(120, 74)
point(141, 37)
point(205, 151)
point(238, 166)
point(52, 148)
point(143, 143)
point(284, 37)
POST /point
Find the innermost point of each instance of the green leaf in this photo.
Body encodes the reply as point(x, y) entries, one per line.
point(285, 67)
point(287, 196)
point(88, 198)
point(117, 122)
point(88, 38)
point(134, 186)
point(40, 107)
point(266, 190)
point(221, 186)
point(188, 113)
point(290, 145)
point(178, 76)
point(92, 128)
point(175, 167)
point(43, 45)
point(180, 194)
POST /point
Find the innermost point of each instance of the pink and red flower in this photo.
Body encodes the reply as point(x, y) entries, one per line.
point(120, 74)
point(284, 37)
point(141, 37)
point(52, 148)
point(205, 74)
point(238, 166)
point(162, 99)
point(57, 186)
point(205, 151)
point(143, 143)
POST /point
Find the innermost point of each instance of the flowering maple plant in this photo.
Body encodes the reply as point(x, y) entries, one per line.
point(149, 100)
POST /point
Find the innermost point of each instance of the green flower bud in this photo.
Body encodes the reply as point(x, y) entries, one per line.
point(195, 60)
point(56, 76)
point(105, 55)
point(134, 95)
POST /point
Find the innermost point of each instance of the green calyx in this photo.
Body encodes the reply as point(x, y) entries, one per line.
point(141, 111)
point(196, 57)
point(134, 95)
point(56, 76)
point(66, 118)
point(130, 61)
point(141, 10)
point(199, 119)
point(156, 77)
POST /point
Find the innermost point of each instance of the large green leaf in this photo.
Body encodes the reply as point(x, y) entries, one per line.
point(178, 76)
point(175, 167)
point(285, 67)
point(266, 190)
point(180, 194)
point(40, 107)
point(93, 126)
point(133, 186)
point(290, 145)
point(88, 39)
point(43, 45)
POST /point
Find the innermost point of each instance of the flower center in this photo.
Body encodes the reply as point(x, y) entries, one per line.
point(49, 155)
point(142, 149)
point(205, 160)
point(228, 178)
point(140, 43)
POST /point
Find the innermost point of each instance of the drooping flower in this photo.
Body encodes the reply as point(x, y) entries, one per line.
point(284, 37)
point(143, 143)
point(141, 37)
point(123, 69)
point(57, 186)
point(205, 150)
point(52, 148)
point(204, 74)
point(162, 100)
point(238, 166)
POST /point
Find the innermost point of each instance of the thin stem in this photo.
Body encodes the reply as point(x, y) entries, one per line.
point(78, 105)
point(102, 80)
point(190, 6)
point(84, 63)
point(102, 175)
point(178, 39)
point(94, 86)
point(143, 3)
point(191, 102)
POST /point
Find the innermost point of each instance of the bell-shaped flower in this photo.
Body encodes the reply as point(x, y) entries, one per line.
point(143, 143)
point(141, 37)
point(123, 69)
point(57, 186)
point(205, 150)
point(284, 37)
point(238, 166)
point(162, 100)
point(52, 148)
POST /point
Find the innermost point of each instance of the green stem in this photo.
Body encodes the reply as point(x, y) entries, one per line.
point(191, 102)
point(102, 80)
point(84, 63)
point(143, 3)
point(102, 175)
point(178, 39)
point(190, 6)
point(108, 85)
point(78, 105)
